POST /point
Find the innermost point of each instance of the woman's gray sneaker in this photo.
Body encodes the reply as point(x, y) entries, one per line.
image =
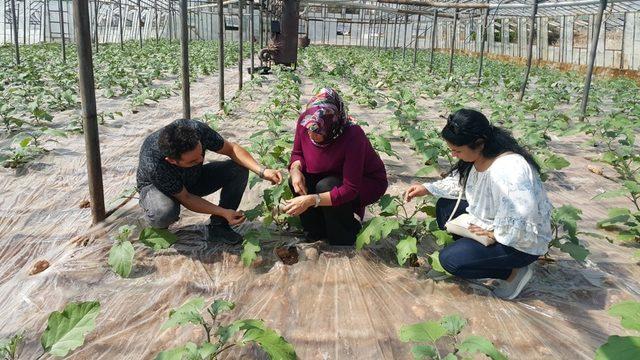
point(510, 290)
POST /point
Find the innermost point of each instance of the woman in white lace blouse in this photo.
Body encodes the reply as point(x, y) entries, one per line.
point(504, 196)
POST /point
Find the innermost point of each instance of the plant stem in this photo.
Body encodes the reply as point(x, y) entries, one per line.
point(224, 348)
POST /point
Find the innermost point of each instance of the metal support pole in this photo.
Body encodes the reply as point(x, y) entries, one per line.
point(483, 37)
point(624, 28)
point(64, 46)
point(453, 41)
point(44, 21)
point(170, 24)
point(240, 38)
point(386, 38)
point(415, 46)
point(380, 37)
point(433, 38)
point(15, 31)
point(155, 18)
point(24, 24)
point(89, 113)
point(220, 54)
point(184, 45)
point(404, 40)
point(592, 59)
point(252, 49)
point(261, 28)
point(121, 26)
point(96, 8)
point(534, 11)
point(395, 30)
point(140, 22)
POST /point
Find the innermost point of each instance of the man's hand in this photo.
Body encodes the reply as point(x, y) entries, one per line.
point(297, 180)
point(298, 205)
point(414, 191)
point(233, 217)
point(274, 176)
point(481, 232)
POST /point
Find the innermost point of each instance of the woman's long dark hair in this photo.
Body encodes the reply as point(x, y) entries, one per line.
point(471, 128)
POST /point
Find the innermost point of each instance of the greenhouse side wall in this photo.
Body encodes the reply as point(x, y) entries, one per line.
point(43, 25)
point(562, 39)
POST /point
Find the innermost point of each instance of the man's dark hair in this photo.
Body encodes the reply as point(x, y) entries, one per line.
point(177, 138)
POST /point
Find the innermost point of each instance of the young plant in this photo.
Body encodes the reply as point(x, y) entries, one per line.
point(65, 331)
point(394, 221)
point(122, 251)
point(220, 337)
point(623, 347)
point(564, 225)
point(431, 335)
point(625, 222)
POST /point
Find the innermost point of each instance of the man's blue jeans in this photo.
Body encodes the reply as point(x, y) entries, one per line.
point(469, 259)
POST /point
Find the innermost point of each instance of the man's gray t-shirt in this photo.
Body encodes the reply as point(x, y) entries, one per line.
point(154, 170)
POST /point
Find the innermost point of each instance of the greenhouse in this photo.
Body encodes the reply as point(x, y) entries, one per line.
point(385, 179)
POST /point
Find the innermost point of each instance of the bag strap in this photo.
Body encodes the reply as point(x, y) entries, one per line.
point(456, 207)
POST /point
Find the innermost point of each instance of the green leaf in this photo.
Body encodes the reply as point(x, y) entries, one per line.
point(427, 170)
point(176, 353)
point(254, 213)
point(428, 331)
point(619, 348)
point(450, 356)
point(269, 340)
point(9, 348)
point(66, 330)
point(189, 312)
point(610, 194)
point(453, 323)
point(251, 247)
point(576, 251)
point(375, 229)
point(478, 344)
point(405, 248)
point(629, 311)
point(567, 216)
point(207, 349)
point(220, 306)
point(443, 238)
point(615, 216)
point(388, 205)
point(424, 352)
point(434, 261)
point(157, 239)
point(121, 258)
point(556, 162)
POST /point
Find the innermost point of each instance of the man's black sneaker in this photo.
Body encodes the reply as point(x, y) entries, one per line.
point(223, 233)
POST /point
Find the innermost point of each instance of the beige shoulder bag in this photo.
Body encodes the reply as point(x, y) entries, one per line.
point(460, 226)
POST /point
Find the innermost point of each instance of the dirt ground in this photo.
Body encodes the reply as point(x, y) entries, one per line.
point(338, 305)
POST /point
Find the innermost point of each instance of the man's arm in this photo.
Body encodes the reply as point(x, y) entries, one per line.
point(197, 204)
point(242, 157)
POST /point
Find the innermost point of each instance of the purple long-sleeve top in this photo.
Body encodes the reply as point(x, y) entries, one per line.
point(350, 156)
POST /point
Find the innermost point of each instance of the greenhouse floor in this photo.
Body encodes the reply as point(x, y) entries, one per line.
point(335, 304)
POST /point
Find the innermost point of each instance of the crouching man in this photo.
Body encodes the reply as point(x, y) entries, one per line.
point(171, 172)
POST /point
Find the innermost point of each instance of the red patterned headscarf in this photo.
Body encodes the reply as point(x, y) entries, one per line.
point(326, 115)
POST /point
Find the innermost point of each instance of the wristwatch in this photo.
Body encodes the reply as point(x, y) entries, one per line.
point(317, 196)
point(261, 172)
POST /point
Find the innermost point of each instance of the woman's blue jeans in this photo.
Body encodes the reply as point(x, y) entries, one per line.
point(469, 259)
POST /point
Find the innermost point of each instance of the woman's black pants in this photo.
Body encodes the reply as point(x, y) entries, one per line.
point(335, 223)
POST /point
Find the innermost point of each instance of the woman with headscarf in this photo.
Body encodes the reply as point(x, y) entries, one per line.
point(334, 171)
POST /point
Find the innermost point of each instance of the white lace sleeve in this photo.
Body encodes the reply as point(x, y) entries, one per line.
point(523, 213)
point(448, 188)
